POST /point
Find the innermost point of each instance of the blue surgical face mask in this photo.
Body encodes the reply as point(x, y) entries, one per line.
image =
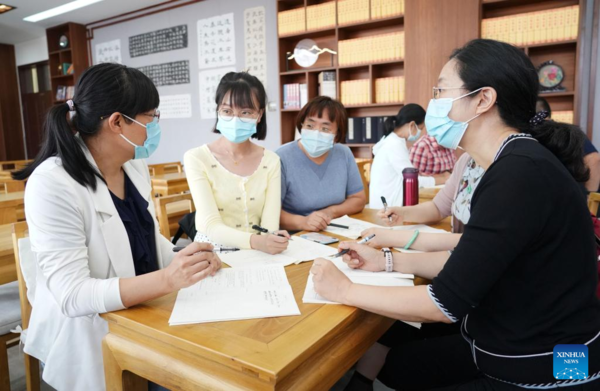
point(416, 136)
point(445, 130)
point(236, 130)
point(152, 139)
point(316, 143)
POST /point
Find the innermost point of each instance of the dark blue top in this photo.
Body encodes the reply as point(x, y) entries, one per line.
point(588, 147)
point(139, 224)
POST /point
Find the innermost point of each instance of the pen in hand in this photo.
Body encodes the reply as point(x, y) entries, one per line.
point(266, 231)
point(365, 240)
point(214, 250)
point(385, 206)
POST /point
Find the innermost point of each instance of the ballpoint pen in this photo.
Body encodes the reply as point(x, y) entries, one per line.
point(385, 207)
point(266, 231)
point(365, 240)
point(214, 250)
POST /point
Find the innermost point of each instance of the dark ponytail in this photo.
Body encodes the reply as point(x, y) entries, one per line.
point(101, 90)
point(509, 71)
point(408, 113)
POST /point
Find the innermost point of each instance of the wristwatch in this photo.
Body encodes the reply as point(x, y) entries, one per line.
point(389, 259)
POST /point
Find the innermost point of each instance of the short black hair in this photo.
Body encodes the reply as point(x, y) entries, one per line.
point(408, 113)
point(246, 91)
point(335, 110)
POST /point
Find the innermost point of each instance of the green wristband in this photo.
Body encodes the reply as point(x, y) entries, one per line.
point(412, 240)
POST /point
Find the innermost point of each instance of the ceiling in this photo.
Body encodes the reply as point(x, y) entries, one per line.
point(13, 29)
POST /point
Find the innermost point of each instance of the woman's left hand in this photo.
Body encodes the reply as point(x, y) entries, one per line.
point(329, 281)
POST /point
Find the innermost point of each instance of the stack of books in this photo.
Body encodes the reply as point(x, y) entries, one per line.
point(563, 116)
point(355, 92)
point(320, 16)
point(295, 96)
point(291, 21)
point(352, 11)
point(381, 9)
point(532, 28)
point(327, 84)
point(389, 90)
point(367, 50)
point(365, 130)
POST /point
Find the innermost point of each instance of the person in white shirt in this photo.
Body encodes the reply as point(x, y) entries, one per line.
point(92, 225)
point(392, 156)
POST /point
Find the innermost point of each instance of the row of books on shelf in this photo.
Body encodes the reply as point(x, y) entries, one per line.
point(65, 92)
point(565, 116)
point(295, 95)
point(327, 84)
point(389, 89)
point(355, 92)
point(321, 16)
point(365, 130)
point(367, 50)
point(532, 28)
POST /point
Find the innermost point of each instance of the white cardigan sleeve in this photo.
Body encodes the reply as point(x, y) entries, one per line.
point(58, 239)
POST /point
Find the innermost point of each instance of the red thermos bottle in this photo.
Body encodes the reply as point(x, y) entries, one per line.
point(411, 186)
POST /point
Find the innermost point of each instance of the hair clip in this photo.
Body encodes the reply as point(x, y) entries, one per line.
point(538, 118)
point(71, 105)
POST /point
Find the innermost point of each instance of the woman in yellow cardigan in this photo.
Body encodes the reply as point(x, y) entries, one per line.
point(235, 183)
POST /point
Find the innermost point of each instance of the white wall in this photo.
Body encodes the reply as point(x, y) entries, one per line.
point(180, 135)
point(32, 51)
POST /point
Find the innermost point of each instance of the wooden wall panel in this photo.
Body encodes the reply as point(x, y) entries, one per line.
point(433, 30)
point(10, 121)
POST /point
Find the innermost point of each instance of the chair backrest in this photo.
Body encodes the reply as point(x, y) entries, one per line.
point(165, 168)
point(364, 168)
point(170, 209)
point(593, 202)
point(26, 269)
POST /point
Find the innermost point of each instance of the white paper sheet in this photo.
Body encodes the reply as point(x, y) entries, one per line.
point(310, 296)
point(235, 294)
point(355, 227)
point(175, 106)
point(254, 42)
point(367, 274)
point(216, 41)
point(108, 52)
point(209, 81)
point(299, 250)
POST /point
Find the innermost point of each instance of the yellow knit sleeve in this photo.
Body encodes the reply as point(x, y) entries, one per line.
point(208, 218)
point(272, 208)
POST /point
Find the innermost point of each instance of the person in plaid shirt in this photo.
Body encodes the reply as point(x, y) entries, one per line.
point(430, 157)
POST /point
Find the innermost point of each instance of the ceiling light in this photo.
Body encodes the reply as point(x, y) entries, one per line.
point(5, 8)
point(60, 10)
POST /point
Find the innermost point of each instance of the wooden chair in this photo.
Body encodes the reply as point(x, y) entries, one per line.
point(32, 364)
point(593, 202)
point(364, 168)
point(165, 168)
point(170, 209)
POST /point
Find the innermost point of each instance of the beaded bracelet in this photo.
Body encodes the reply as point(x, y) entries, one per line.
point(412, 240)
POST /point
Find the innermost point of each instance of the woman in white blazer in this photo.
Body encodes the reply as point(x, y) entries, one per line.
point(92, 224)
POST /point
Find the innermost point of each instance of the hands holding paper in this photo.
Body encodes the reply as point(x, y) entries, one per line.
point(329, 281)
point(190, 265)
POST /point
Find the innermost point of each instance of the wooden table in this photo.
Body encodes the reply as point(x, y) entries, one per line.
point(428, 193)
point(168, 184)
point(11, 207)
point(9, 185)
point(8, 270)
point(307, 352)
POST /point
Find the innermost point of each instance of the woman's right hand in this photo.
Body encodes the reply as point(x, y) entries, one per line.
point(391, 217)
point(316, 221)
point(190, 265)
point(363, 257)
point(270, 244)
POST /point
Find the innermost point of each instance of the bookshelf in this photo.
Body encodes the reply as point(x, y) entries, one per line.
point(76, 53)
point(545, 36)
point(344, 24)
